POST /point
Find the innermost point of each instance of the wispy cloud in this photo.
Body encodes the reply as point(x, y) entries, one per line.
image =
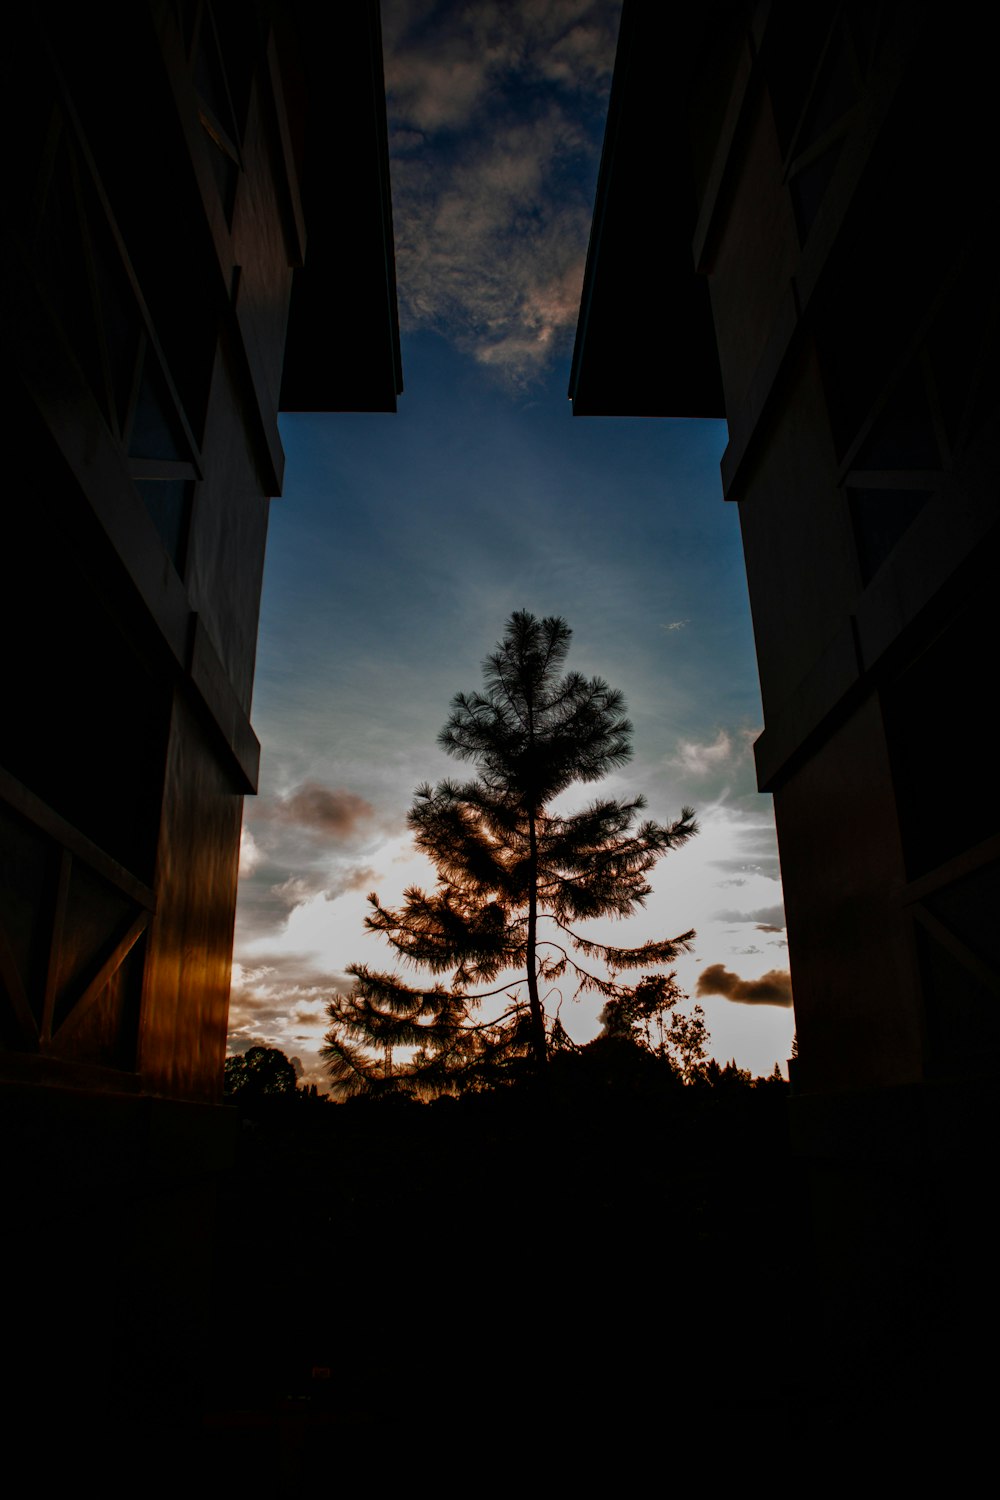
point(280, 1001)
point(448, 62)
point(766, 865)
point(767, 918)
point(250, 853)
point(273, 892)
point(772, 988)
point(696, 759)
point(496, 114)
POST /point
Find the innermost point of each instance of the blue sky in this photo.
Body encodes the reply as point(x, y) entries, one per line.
point(403, 542)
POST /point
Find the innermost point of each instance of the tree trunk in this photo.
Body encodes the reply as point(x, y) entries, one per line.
point(538, 1047)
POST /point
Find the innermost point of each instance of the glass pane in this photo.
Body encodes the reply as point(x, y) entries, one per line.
point(167, 502)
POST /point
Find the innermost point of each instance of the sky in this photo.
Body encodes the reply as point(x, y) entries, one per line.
point(403, 542)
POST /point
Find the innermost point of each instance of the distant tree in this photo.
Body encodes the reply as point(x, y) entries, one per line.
point(514, 877)
point(259, 1071)
point(731, 1077)
point(647, 1016)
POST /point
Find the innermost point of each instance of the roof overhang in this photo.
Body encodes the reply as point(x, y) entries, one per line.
point(342, 350)
point(645, 342)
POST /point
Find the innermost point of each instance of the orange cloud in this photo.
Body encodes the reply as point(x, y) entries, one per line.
point(772, 988)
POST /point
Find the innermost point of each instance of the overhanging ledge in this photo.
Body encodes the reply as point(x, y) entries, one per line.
point(645, 343)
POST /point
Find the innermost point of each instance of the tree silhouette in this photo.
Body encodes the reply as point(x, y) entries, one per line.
point(647, 1016)
point(507, 864)
point(258, 1071)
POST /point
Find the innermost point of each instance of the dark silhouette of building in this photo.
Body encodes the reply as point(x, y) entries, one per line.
point(791, 232)
point(189, 187)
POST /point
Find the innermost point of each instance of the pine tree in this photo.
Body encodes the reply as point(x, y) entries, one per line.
point(514, 879)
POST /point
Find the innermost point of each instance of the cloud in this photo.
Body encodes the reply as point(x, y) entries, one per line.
point(446, 65)
point(700, 759)
point(491, 255)
point(292, 973)
point(360, 878)
point(270, 995)
point(311, 1013)
point(496, 113)
point(772, 988)
point(766, 866)
point(301, 845)
point(298, 889)
point(250, 853)
point(280, 1000)
point(331, 811)
point(767, 918)
point(294, 891)
point(436, 92)
point(272, 893)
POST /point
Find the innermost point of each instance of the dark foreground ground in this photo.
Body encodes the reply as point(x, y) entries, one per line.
point(595, 1282)
point(549, 1275)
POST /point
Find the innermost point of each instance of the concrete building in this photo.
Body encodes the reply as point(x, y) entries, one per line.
point(791, 232)
point(189, 187)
